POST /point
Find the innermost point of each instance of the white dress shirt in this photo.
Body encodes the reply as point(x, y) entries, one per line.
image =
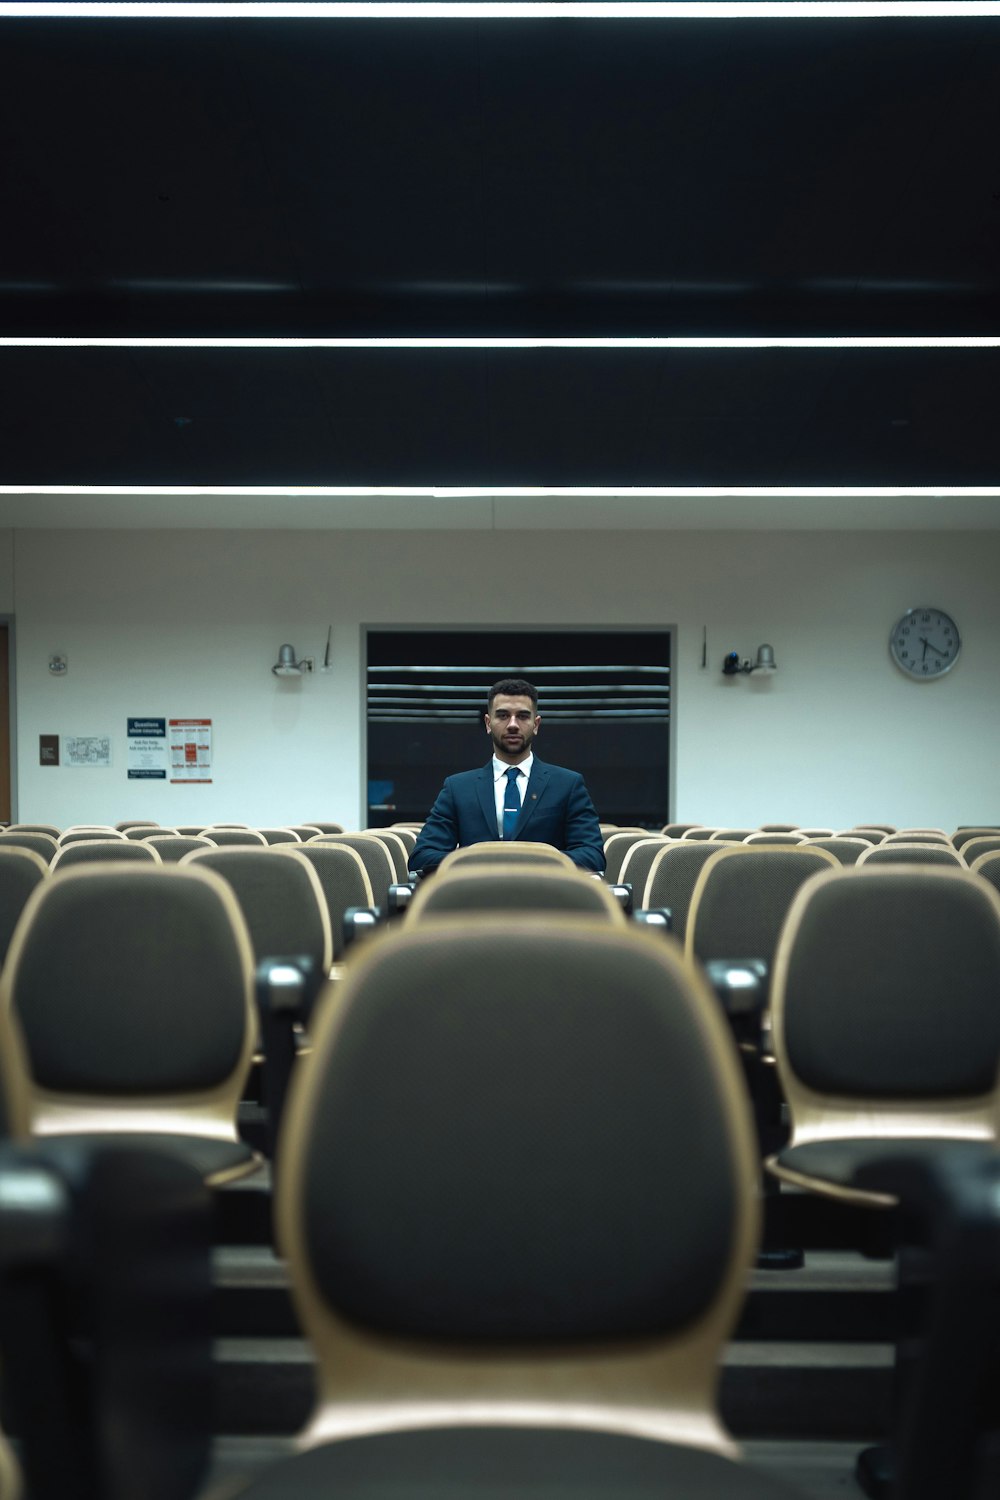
point(500, 769)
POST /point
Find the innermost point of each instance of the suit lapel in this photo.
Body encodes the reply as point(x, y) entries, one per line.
point(487, 798)
point(533, 794)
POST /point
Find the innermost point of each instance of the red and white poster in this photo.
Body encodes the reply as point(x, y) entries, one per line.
point(190, 749)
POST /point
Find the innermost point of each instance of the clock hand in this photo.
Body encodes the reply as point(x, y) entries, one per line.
point(938, 650)
point(923, 642)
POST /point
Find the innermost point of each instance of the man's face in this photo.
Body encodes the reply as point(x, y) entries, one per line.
point(512, 725)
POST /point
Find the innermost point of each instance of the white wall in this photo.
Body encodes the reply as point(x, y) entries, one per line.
point(187, 624)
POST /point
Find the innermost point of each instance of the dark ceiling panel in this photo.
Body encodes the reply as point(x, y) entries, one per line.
point(449, 418)
point(358, 177)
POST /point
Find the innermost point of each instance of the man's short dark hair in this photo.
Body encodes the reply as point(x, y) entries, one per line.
point(512, 687)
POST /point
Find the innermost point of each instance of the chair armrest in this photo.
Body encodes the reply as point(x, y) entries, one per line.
point(660, 917)
point(105, 1319)
point(953, 1190)
point(623, 894)
point(399, 899)
point(740, 983)
point(360, 922)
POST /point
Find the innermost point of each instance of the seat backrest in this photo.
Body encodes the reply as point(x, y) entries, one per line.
point(512, 887)
point(20, 871)
point(961, 836)
point(376, 857)
point(236, 838)
point(984, 844)
point(577, 1142)
point(699, 834)
point(282, 903)
point(101, 851)
point(911, 854)
point(774, 837)
point(846, 851)
point(133, 989)
point(616, 847)
point(81, 834)
point(987, 866)
point(344, 880)
point(672, 878)
point(496, 852)
point(398, 852)
point(325, 827)
point(886, 998)
point(146, 830)
point(919, 836)
point(273, 836)
point(742, 897)
point(408, 836)
point(127, 823)
point(635, 867)
point(48, 828)
point(42, 844)
point(172, 847)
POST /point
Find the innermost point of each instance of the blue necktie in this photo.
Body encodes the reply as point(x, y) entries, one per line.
point(511, 804)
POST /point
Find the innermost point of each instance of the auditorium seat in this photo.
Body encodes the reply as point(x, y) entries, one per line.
point(102, 851)
point(81, 832)
point(133, 989)
point(282, 902)
point(777, 839)
point(517, 1297)
point(398, 851)
point(377, 860)
point(742, 897)
point(672, 878)
point(846, 851)
point(172, 847)
point(987, 866)
point(911, 854)
point(617, 846)
point(984, 844)
point(344, 880)
point(229, 837)
point(20, 871)
point(886, 1018)
point(495, 851)
point(961, 836)
point(513, 887)
point(634, 868)
point(42, 844)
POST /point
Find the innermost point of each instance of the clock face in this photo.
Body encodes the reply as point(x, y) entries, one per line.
point(925, 643)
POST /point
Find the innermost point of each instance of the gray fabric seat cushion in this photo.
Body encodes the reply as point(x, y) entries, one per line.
point(498, 1463)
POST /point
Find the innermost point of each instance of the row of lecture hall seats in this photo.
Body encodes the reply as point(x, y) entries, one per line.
point(529, 1179)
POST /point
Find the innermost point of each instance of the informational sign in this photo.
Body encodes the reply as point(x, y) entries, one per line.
point(147, 749)
point(90, 750)
point(48, 749)
point(190, 750)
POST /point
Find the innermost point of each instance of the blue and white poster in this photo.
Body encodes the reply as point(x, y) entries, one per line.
point(147, 749)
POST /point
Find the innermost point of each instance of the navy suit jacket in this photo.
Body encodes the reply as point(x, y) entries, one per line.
point(556, 810)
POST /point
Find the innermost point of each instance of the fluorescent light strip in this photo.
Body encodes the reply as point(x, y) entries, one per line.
point(671, 10)
point(524, 492)
point(861, 341)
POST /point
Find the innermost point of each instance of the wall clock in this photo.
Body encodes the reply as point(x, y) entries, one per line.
point(925, 643)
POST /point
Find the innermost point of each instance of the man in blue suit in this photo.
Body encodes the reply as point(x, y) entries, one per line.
point(541, 803)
